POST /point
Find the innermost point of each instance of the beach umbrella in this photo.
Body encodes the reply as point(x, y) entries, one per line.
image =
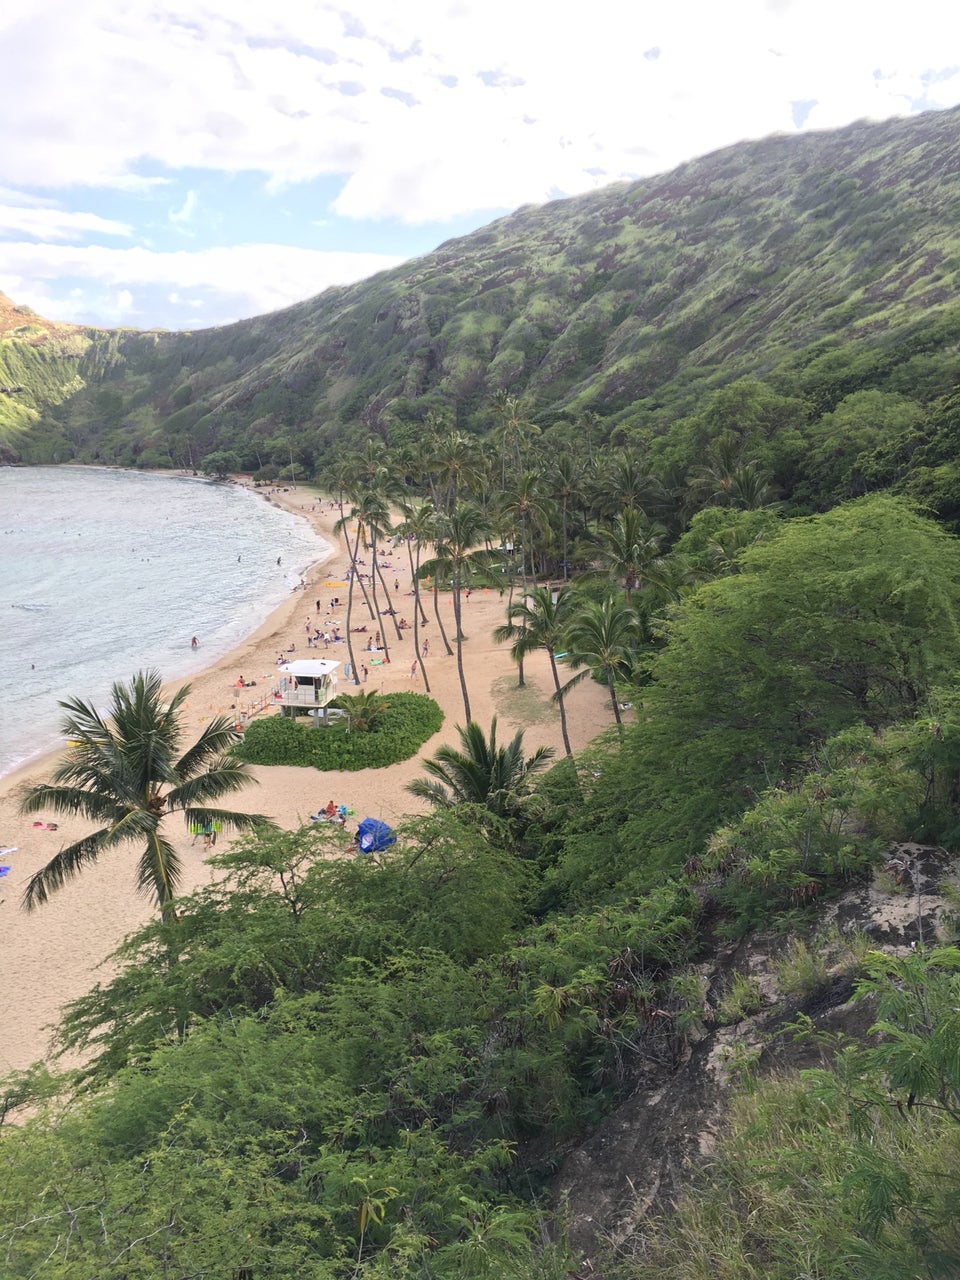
point(374, 836)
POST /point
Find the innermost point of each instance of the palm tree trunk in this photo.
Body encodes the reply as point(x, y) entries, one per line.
point(417, 611)
point(459, 639)
point(353, 577)
point(391, 611)
point(565, 540)
point(523, 553)
point(613, 699)
point(563, 710)
point(356, 572)
point(436, 610)
point(376, 603)
point(415, 580)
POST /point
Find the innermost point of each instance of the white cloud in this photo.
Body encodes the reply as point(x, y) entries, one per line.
point(48, 223)
point(99, 88)
point(243, 280)
point(186, 211)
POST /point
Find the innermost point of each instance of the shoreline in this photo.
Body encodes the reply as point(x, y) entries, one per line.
point(272, 624)
point(55, 954)
point(20, 755)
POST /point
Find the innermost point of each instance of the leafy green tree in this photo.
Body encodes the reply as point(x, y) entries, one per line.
point(127, 772)
point(842, 445)
point(716, 536)
point(221, 463)
point(482, 773)
point(848, 616)
point(836, 619)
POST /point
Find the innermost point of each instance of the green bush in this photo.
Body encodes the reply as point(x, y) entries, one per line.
point(407, 721)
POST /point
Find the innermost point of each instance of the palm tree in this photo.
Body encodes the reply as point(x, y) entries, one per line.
point(365, 710)
point(630, 547)
point(537, 622)
point(726, 479)
point(376, 517)
point(524, 508)
point(418, 525)
point(516, 434)
point(342, 526)
point(602, 639)
point(482, 773)
point(456, 465)
point(126, 773)
point(458, 557)
point(565, 480)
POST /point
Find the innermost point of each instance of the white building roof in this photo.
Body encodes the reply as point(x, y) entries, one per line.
point(312, 668)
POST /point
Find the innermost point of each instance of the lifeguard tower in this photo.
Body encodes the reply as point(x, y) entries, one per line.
point(306, 686)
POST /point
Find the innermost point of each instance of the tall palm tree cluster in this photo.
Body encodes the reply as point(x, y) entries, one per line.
point(577, 541)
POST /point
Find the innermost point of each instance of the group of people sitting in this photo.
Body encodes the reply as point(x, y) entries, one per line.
point(331, 812)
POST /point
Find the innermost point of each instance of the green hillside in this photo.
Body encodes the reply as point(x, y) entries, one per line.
point(821, 263)
point(39, 368)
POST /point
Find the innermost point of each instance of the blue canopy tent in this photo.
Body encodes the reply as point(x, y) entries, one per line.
point(374, 835)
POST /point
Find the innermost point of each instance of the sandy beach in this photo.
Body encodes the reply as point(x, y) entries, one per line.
point(53, 954)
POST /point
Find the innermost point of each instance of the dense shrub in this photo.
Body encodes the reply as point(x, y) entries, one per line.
point(408, 720)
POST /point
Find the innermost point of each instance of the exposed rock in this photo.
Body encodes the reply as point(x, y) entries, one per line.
point(637, 1159)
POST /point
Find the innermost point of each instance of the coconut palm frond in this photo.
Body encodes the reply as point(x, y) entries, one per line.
point(126, 773)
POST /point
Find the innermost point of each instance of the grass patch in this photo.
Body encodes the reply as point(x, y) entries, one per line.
point(527, 705)
point(404, 723)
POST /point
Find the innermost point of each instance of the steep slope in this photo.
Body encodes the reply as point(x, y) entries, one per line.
point(38, 365)
point(762, 258)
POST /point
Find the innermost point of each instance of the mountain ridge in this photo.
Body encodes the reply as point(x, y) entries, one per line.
point(630, 303)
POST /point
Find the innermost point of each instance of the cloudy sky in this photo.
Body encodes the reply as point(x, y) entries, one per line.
point(184, 163)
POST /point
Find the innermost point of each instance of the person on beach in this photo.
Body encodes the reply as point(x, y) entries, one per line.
point(414, 670)
point(365, 674)
point(425, 648)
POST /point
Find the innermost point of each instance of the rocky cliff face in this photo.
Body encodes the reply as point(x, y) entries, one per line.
point(636, 1160)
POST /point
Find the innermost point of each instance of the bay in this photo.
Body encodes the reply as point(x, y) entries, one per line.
point(104, 573)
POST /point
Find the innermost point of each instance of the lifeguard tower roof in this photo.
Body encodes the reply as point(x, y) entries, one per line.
point(310, 668)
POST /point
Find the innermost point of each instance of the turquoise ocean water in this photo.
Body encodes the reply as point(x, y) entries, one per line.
point(105, 573)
